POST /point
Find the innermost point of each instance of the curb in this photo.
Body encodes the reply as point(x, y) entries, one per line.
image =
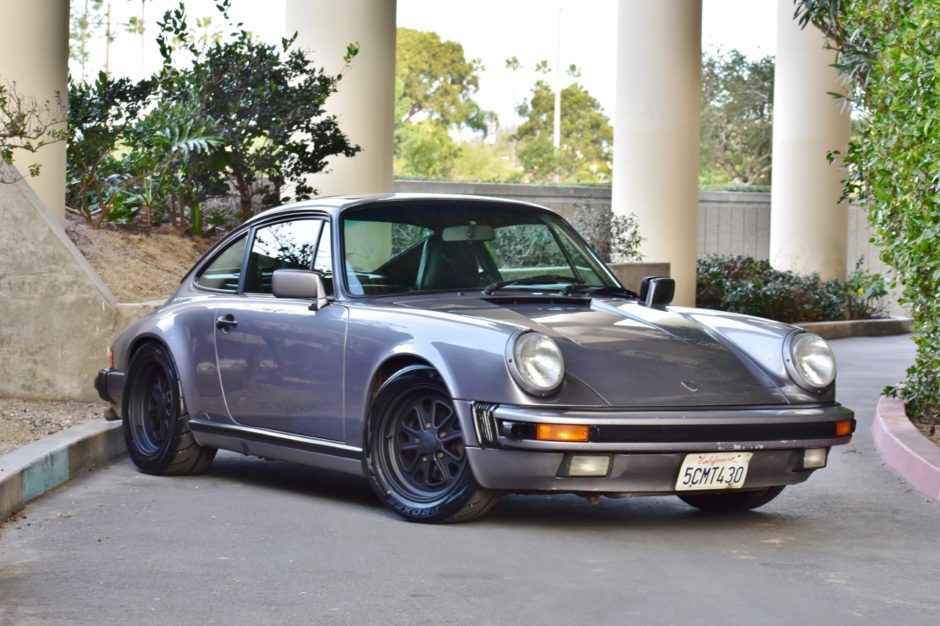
point(908, 452)
point(30, 471)
point(859, 328)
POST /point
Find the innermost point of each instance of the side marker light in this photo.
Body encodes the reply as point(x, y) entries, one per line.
point(561, 432)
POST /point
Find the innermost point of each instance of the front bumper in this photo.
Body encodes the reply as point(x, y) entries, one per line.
point(110, 386)
point(646, 449)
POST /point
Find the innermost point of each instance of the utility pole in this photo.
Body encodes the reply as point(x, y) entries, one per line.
point(556, 129)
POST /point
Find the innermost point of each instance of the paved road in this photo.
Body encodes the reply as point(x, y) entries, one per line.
point(263, 542)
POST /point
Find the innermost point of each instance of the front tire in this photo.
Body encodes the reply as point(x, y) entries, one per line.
point(731, 501)
point(156, 429)
point(416, 458)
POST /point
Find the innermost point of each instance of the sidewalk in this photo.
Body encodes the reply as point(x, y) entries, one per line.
point(905, 449)
point(30, 471)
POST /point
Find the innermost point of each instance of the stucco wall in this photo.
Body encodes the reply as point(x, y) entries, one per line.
point(56, 316)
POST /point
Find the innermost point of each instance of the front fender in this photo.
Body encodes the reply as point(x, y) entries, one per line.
point(187, 330)
point(468, 355)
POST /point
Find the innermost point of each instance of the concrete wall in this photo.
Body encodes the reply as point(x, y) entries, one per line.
point(730, 223)
point(631, 274)
point(559, 198)
point(734, 223)
point(56, 316)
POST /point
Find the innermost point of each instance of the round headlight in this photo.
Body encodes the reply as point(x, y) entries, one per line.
point(536, 363)
point(810, 361)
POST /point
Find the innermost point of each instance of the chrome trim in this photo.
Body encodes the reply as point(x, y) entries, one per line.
point(263, 435)
point(485, 424)
point(678, 418)
point(674, 417)
point(701, 446)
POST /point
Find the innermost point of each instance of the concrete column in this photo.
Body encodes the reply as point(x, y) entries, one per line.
point(34, 53)
point(365, 102)
point(807, 224)
point(656, 130)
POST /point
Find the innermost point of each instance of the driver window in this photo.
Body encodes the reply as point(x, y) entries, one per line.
point(287, 245)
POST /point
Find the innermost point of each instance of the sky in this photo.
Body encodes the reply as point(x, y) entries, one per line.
point(489, 30)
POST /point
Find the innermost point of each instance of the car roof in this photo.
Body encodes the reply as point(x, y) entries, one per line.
point(336, 205)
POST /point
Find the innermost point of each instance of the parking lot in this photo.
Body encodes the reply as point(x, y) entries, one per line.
point(255, 541)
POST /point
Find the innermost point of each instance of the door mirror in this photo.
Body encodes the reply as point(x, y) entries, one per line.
point(301, 285)
point(657, 290)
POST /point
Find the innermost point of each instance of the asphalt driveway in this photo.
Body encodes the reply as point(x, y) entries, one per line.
point(264, 542)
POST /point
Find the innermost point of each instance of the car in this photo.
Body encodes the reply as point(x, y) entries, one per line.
point(453, 348)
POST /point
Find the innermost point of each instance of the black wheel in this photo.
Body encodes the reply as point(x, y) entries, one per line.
point(731, 501)
point(156, 430)
point(416, 460)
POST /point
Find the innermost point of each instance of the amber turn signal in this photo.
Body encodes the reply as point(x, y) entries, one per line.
point(843, 428)
point(561, 432)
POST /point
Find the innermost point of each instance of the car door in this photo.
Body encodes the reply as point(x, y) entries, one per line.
point(280, 363)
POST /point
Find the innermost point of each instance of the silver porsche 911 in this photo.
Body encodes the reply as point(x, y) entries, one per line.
point(451, 349)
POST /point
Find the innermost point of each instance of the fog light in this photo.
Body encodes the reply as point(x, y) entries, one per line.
point(580, 466)
point(561, 432)
point(814, 458)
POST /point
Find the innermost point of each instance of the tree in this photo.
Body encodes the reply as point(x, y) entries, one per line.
point(266, 103)
point(171, 168)
point(437, 81)
point(586, 137)
point(426, 150)
point(239, 115)
point(888, 50)
point(494, 162)
point(737, 115)
point(99, 115)
point(434, 85)
point(26, 125)
point(84, 22)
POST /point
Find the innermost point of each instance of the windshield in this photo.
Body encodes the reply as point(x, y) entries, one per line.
point(462, 246)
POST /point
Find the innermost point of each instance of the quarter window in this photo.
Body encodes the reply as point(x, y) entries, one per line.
point(223, 272)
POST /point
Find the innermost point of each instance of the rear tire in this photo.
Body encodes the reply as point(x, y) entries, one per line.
point(731, 501)
point(416, 460)
point(156, 430)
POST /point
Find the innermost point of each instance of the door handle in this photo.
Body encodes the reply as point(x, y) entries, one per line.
point(226, 322)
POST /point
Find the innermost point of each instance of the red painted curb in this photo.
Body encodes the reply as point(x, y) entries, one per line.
point(907, 451)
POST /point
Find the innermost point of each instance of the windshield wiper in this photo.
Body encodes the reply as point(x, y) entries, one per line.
point(600, 291)
point(534, 280)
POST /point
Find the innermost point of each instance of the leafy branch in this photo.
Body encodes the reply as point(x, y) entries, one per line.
point(27, 125)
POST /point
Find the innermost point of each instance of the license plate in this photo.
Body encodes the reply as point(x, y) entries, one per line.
point(713, 470)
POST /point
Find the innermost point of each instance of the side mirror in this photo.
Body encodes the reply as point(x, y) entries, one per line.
point(300, 284)
point(657, 290)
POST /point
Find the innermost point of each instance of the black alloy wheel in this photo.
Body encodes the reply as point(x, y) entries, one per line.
point(425, 445)
point(152, 408)
point(417, 460)
point(156, 430)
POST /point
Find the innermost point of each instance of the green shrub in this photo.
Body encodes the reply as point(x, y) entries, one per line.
point(888, 51)
point(615, 238)
point(750, 286)
point(233, 115)
point(863, 294)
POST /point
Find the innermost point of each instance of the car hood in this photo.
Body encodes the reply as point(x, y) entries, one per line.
point(630, 354)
